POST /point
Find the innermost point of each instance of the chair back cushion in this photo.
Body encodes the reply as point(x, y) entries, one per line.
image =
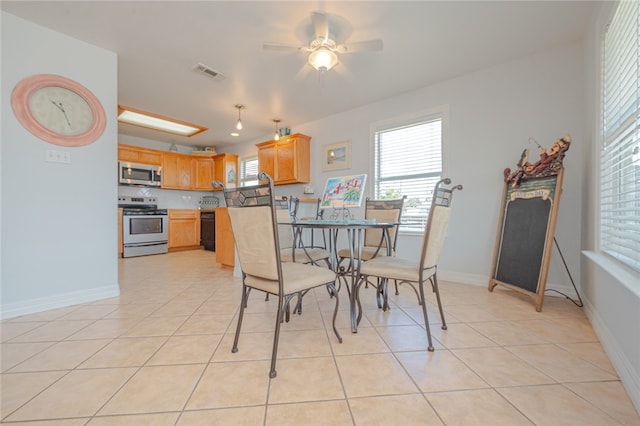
point(434, 235)
point(382, 211)
point(255, 240)
point(285, 232)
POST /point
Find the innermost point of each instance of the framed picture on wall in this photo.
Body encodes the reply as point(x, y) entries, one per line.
point(336, 156)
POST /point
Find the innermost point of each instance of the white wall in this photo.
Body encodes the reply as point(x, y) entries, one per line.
point(59, 245)
point(492, 114)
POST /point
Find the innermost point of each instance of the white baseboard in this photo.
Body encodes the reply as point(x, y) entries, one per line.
point(12, 310)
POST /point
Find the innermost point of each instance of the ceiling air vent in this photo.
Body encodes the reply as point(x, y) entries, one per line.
point(216, 75)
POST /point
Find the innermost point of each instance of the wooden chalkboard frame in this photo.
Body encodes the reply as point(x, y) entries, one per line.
point(525, 236)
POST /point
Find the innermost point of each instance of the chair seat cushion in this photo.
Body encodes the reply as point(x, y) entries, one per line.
point(368, 252)
point(394, 268)
point(295, 277)
point(304, 255)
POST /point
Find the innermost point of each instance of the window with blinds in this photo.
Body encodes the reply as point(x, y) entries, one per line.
point(408, 161)
point(620, 150)
point(249, 171)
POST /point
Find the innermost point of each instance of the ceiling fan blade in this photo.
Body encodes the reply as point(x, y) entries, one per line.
point(282, 47)
point(320, 25)
point(370, 45)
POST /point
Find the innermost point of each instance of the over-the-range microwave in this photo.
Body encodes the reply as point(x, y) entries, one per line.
point(139, 174)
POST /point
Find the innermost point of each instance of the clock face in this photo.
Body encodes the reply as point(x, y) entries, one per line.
point(61, 110)
point(58, 110)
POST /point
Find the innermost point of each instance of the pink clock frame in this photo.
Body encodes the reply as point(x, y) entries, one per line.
point(20, 104)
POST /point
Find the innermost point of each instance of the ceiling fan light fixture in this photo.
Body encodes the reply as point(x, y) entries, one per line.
point(276, 135)
point(323, 59)
point(239, 122)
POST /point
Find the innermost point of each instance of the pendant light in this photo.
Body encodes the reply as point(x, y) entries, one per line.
point(239, 122)
point(276, 135)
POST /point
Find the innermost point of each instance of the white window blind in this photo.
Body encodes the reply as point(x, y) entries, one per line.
point(249, 171)
point(408, 161)
point(620, 151)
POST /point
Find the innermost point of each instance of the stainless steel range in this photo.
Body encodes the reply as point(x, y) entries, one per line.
point(144, 226)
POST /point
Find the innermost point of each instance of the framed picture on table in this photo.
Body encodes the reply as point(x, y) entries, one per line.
point(336, 156)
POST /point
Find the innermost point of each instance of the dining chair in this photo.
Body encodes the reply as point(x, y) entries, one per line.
point(375, 243)
point(310, 206)
point(416, 272)
point(252, 211)
point(291, 248)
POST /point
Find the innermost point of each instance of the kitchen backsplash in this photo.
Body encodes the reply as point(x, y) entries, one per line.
point(168, 198)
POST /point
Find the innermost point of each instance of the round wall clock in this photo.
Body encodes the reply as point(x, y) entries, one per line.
point(58, 110)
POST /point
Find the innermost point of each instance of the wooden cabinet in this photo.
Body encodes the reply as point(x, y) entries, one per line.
point(177, 171)
point(286, 160)
point(139, 155)
point(184, 229)
point(225, 243)
point(204, 174)
point(226, 169)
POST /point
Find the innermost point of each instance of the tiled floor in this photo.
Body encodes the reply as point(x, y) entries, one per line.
point(160, 354)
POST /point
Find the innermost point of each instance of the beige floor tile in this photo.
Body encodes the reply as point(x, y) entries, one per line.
point(12, 354)
point(159, 419)
point(439, 371)
point(231, 384)
point(559, 364)
point(323, 413)
point(158, 326)
point(177, 309)
point(407, 338)
point(251, 347)
point(155, 389)
point(78, 394)
point(499, 367)
point(12, 329)
point(105, 329)
point(407, 410)
point(320, 381)
point(186, 350)
point(592, 352)
point(62, 422)
point(378, 317)
point(52, 331)
point(610, 397)
point(134, 310)
point(555, 405)
point(365, 341)
point(125, 352)
point(244, 416)
point(473, 313)
point(459, 335)
point(19, 388)
point(373, 375)
point(86, 312)
point(564, 330)
point(477, 407)
point(508, 332)
point(305, 343)
point(207, 324)
point(62, 356)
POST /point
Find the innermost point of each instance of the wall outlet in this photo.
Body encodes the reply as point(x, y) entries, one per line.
point(308, 189)
point(54, 156)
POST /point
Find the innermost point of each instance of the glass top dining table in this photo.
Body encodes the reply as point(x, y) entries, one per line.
point(354, 229)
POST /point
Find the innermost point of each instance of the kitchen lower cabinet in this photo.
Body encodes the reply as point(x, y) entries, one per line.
point(225, 243)
point(184, 229)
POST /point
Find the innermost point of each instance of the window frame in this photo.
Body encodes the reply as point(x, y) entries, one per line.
point(441, 112)
point(242, 179)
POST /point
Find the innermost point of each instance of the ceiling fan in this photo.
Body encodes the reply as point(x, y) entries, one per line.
point(323, 47)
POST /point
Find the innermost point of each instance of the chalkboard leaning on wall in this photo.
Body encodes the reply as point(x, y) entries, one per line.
point(530, 201)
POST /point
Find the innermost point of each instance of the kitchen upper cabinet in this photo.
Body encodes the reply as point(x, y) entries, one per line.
point(205, 171)
point(226, 169)
point(286, 160)
point(177, 171)
point(136, 154)
point(184, 228)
